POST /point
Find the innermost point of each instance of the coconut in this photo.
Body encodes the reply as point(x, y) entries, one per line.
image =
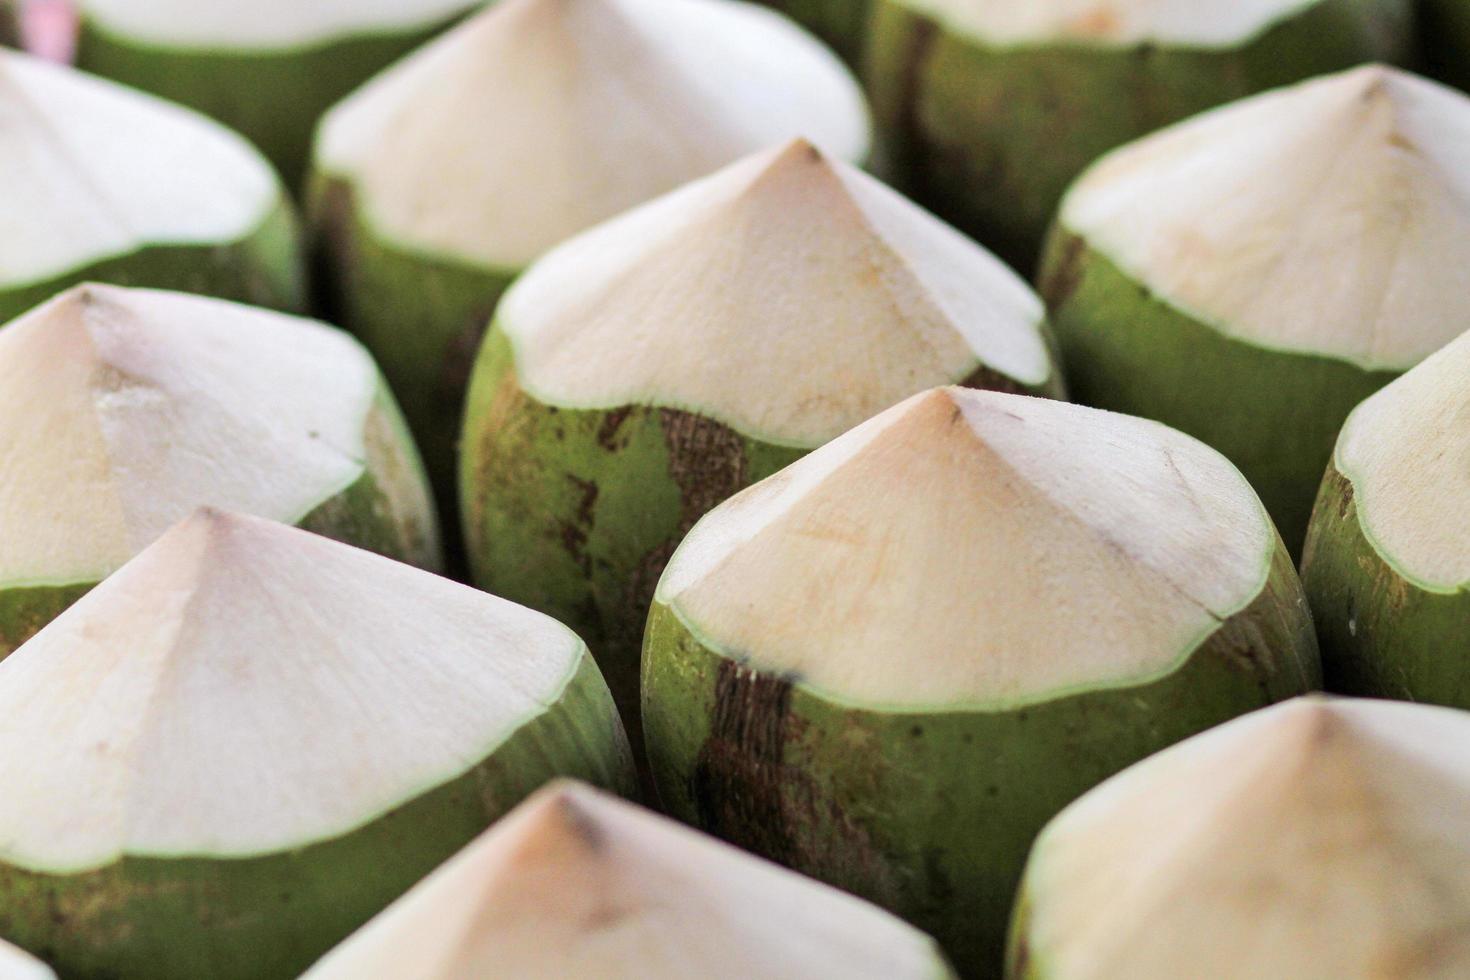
point(646, 370)
point(1316, 840)
point(269, 68)
point(446, 176)
point(1387, 562)
point(993, 107)
point(576, 883)
point(15, 964)
point(122, 410)
point(842, 24)
point(1251, 275)
point(250, 739)
point(888, 665)
point(107, 184)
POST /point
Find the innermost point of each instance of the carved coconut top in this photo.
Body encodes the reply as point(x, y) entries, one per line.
point(974, 548)
point(538, 118)
point(1185, 22)
point(790, 296)
point(282, 24)
point(93, 170)
point(1331, 217)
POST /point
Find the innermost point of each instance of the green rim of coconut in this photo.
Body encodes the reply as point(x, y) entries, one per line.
point(257, 688)
point(277, 26)
point(1329, 219)
point(789, 295)
point(1406, 451)
point(972, 550)
point(1116, 24)
point(95, 171)
point(577, 883)
point(1318, 838)
point(122, 410)
point(611, 102)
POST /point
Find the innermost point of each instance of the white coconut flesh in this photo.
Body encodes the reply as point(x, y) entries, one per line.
point(122, 410)
point(93, 170)
point(970, 548)
point(1316, 839)
point(243, 687)
point(16, 964)
point(539, 118)
point(268, 24)
point(788, 295)
point(1112, 22)
point(576, 883)
point(1407, 452)
point(1329, 218)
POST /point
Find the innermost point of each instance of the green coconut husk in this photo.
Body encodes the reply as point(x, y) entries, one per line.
point(842, 24)
point(1444, 36)
point(273, 97)
point(989, 137)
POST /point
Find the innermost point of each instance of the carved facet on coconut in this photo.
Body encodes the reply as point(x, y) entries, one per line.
point(576, 883)
point(992, 108)
point(1319, 839)
point(269, 68)
point(123, 410)
point(650, 368)
point(889, 664)
point(106, 184)
point(250, 739)
point(1251, 275)
point(442, 179)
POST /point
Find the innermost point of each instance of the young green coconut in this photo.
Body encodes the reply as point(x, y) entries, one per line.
point(992, 107)
point(101, 183)
point(645, 371)
point(1387, 561)
point(445, 177)
point(16, 964)
point(1317, 840)
point(1251, 275)
point(122, 410)
point(888, 665)
point(250, 739)
point(576, 883)
point(269, 68)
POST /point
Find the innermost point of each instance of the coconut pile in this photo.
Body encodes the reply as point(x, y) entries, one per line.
point(650, 489)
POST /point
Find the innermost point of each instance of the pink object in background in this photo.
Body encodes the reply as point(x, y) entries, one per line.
point(49, 28)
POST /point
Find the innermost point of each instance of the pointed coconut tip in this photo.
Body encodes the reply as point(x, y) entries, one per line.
point(243, 687)
point(280, 25)
point(94, 170)
point(665, 304)
point(1028, 547)
point(17, 964)
point(622, 99)
point(1406, 451)
point(1330, 218)
point(579, 883)
point(1114, 22)
point(1318, 838)
point(123, 409)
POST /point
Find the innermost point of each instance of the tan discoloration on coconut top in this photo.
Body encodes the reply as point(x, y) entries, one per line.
point(578, 884)
point(1319, 839)
point(1331, 217)
point(264, 24)
point(122, 410)
point(539, 118)
point(92, 170)
point(1407, 452)
point(1112, 22)
point(790, 296)
point(243, 687)
point(1017, 547)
